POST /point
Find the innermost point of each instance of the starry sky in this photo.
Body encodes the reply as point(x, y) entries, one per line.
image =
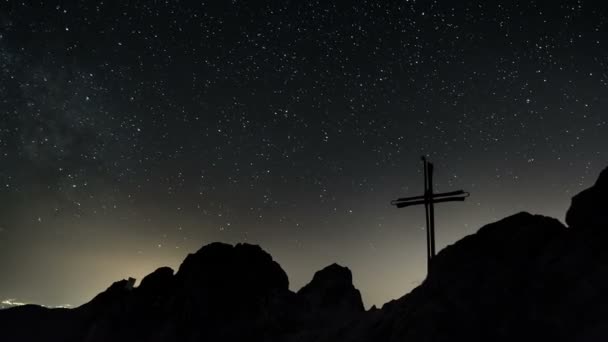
point(134, 132)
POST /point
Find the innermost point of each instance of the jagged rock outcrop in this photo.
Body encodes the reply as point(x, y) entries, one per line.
point(157, 282)
point(589, 208)
point(331, 291)
point(220, 274)
point(228, 286)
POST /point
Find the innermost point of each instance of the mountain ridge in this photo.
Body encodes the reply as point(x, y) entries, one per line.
point(525, 277)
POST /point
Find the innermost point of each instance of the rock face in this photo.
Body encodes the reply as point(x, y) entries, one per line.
point(237, 273)
point(590, 208)
point(157, 281)
point(526, 277)
point(330, 298)
point(331, 291)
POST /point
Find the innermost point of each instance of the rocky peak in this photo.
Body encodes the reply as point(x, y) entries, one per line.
point(119, 292)
point(331, 289)
point(589, 209)
point(500, 253)
point(241, 268)
point(157, 281)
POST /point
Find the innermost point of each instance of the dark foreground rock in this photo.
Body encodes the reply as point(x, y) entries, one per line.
point(220, 293)
point(589, 209)
point(331, 291)
point(524, 278)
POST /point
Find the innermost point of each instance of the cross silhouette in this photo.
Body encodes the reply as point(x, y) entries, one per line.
point(429, 199)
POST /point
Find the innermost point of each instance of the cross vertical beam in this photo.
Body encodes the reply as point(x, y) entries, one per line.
point(429, 198)
point(427, 213)
point(431, 208)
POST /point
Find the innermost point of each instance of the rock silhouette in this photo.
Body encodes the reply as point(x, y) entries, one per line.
point(331, 290)
point(526, 277)
point(220, 293)
point(589, 208)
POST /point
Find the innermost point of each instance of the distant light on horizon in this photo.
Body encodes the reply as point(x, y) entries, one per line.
point(8, 303)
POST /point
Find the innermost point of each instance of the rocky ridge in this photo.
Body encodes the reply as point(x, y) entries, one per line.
point(526, 277)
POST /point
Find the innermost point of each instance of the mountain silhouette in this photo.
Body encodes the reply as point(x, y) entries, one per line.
point(526, 277)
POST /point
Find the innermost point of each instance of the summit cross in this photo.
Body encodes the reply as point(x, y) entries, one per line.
point(429, 199)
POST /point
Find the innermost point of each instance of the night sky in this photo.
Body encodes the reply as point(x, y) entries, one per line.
point(134, 132)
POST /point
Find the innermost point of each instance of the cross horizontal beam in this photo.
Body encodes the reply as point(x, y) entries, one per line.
point(428, 200)
point(403, 204)
point(434, 196)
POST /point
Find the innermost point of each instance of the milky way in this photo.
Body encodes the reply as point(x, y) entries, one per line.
point(133, 133)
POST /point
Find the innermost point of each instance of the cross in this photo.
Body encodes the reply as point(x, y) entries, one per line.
point(429, 199)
